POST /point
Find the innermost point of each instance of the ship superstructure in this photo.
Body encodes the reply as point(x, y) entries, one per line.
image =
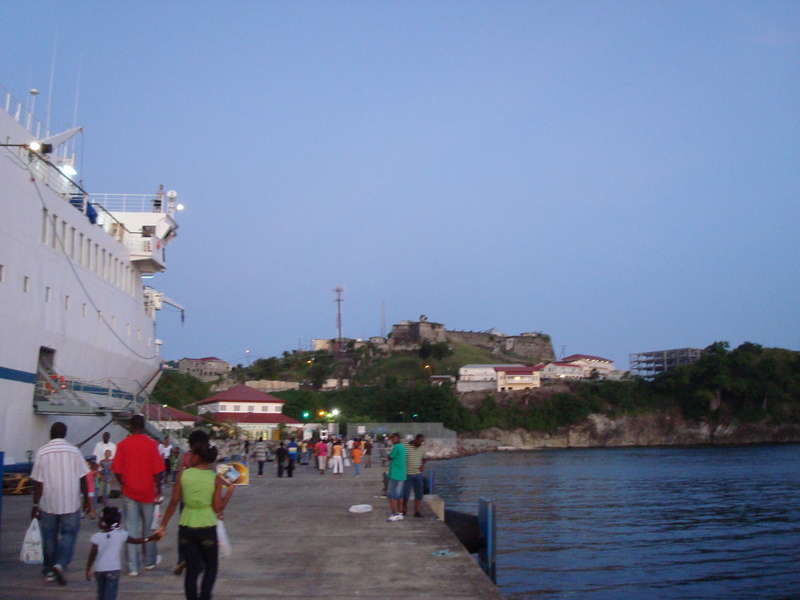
point(77, 328)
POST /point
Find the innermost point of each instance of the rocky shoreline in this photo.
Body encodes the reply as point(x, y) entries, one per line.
point(600, 431)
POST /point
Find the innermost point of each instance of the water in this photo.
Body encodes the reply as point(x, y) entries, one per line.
point(614, 524)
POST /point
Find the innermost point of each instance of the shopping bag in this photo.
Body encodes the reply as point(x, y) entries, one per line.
point(346, 462)
point(223, 542)
point(155, 523)
point(32, 552)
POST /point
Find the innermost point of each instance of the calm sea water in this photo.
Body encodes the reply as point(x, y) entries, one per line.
point(611, 524)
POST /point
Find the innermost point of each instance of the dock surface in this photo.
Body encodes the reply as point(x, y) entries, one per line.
point(291, 538)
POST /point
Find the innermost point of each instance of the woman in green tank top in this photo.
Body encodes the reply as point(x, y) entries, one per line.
point(200, 489)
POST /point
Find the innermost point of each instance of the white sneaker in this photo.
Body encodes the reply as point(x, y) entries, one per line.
point(396, 517)
point(153, 566)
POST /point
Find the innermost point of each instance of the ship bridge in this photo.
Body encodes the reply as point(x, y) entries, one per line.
point(144, 223)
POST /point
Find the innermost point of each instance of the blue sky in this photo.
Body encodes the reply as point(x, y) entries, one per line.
point(624, 176)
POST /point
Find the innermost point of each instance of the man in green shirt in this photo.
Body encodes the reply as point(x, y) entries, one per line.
point(397, 477)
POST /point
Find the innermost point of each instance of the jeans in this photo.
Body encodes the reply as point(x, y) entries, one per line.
point(59, 533)
point(261, 467)
point(107, 584)
point(357, 468)
point(414, 482)
point(202, 556)
point(138, 516)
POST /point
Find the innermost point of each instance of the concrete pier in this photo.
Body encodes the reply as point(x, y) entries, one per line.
point(292, 538)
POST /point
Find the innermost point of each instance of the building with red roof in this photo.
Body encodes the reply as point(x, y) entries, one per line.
point(257, 414)
point(517, 378)
point(167, 418)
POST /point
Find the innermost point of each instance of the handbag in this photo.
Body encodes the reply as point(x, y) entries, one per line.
point(32, 552)
point(223, 542)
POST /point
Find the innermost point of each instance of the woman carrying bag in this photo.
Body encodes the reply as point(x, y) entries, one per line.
point(200, 489)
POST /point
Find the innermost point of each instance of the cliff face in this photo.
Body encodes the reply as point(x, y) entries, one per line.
point(646, 430)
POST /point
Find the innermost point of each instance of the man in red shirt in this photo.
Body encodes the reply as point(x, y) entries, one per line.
point(138, 466)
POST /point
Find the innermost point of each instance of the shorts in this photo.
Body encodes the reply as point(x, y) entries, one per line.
point(416, 483)
point(394, 489)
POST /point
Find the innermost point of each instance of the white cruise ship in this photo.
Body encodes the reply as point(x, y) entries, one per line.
point(77, 324)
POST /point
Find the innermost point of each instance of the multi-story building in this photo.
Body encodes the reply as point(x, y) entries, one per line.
point(517, 378)
point(257, 414)
point(650, 364)
point(603, 367)
point(561, 370)
point(210, 368)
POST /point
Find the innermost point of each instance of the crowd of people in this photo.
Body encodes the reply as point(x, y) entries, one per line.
point(68, 487)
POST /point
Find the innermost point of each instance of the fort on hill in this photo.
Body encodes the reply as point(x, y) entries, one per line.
point(408, 336)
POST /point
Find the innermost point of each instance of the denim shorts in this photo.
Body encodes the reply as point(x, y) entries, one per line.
point(394, 489)
point(414, 482)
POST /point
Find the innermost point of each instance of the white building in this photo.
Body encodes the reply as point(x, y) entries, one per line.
point(561, 370)
point(591, 364)
point(476, 378)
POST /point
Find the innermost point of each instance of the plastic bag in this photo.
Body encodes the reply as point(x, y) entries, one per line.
point(346, 462)
point(32, 552)
point(223, 542)
point(155, 523)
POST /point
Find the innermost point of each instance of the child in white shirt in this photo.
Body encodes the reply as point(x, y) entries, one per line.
point(106, 551)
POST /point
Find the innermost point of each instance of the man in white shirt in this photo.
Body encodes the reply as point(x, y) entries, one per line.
point(101, 447)
point(58, 477)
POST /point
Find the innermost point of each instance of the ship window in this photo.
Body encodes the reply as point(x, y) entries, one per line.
point(128, 329)
point(72, 243)
point(148, 231)
point(1, 273)
point(54, 222)
point(45, 225)
point(80, 249)
point(84, 312)
point(63, 240)
point(26, 284)
point(66, 302)
point(113, 322)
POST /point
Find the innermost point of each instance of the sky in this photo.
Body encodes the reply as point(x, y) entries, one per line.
point(623, 176)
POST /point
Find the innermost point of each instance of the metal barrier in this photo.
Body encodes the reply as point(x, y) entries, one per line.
point(487, 524)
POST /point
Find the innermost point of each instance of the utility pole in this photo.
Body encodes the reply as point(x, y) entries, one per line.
point(339, 300)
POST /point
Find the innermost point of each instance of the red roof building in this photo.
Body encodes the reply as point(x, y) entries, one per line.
point(256, 413)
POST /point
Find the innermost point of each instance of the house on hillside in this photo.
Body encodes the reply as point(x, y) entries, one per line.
point(206, 369)
point(257, 414)
point(561, 371)
point(591, 364)
point(478, 378)
point(518, 377)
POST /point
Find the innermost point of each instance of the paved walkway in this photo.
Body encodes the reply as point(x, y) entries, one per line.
point(292, 538)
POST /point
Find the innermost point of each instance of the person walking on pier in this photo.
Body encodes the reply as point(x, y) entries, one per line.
point(397, 477)
point(58, 475)
point(321, 452)
point(260, 455)
point(200, 488)
point(280, 459)
point(138, 466)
